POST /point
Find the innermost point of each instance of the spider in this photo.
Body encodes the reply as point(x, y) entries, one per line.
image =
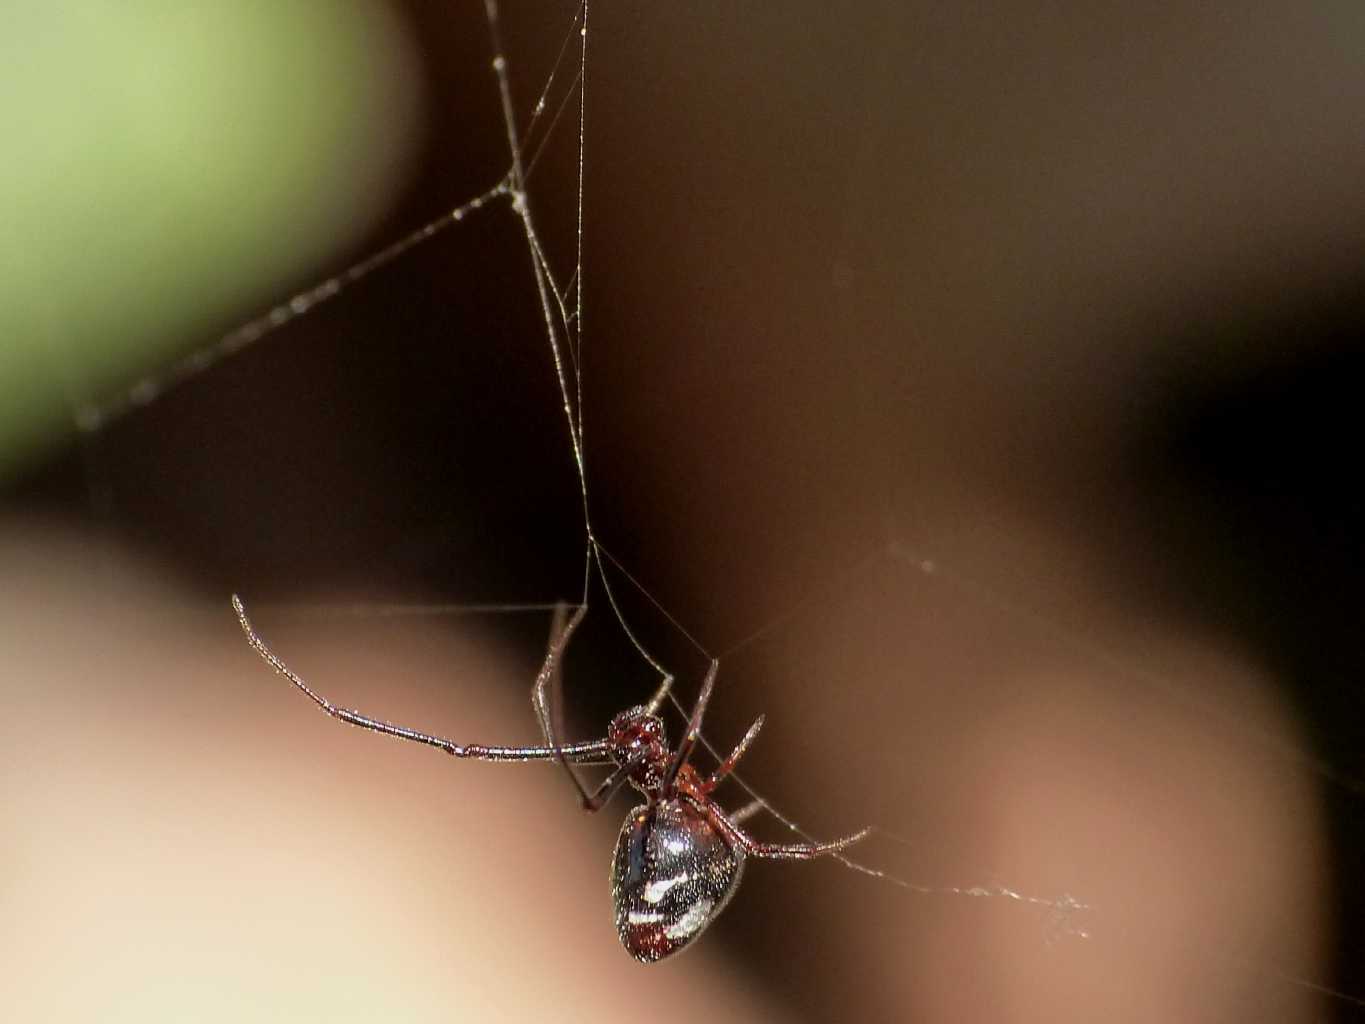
point(679, 857)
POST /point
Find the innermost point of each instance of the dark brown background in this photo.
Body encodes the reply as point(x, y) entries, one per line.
point(1064, 298)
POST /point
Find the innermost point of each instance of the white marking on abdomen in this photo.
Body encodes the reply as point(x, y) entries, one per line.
point(655, 890)
point(688, 925)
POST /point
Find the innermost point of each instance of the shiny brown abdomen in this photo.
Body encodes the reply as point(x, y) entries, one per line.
point(671, 876)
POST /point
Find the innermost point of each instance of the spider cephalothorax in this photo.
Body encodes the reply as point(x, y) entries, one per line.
point(638, 743)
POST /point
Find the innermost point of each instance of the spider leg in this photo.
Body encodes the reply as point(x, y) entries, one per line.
point(728, 765)
point(594, 751)
point(555, 684)
point(608, 788)
point(689, 740)
point(540, 699)
point(776, 851)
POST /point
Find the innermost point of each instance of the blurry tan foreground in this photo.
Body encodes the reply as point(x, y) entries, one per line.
point(187, 839)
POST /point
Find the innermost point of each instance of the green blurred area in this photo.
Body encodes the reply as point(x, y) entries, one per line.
point(168, 168)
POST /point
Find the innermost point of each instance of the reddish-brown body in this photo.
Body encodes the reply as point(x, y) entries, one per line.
point(679, 857)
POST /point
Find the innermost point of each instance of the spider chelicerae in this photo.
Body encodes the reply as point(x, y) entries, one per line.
point(679, 857)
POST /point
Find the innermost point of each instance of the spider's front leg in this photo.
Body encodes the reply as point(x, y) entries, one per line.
point(593, 751)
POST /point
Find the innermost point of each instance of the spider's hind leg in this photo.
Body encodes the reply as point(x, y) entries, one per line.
point(777, 851)
point(546, 706)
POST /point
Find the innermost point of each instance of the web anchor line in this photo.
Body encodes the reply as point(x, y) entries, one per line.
point(92, 417)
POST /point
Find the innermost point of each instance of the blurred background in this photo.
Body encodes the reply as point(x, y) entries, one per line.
point(978, 382)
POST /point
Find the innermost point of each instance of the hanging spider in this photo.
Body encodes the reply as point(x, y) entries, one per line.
point(679, 857)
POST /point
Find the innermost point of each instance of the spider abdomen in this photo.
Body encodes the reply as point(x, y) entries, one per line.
point(671, 876)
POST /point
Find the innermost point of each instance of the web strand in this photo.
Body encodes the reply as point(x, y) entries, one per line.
point(92, 417)
point(521, 205)
point(572, 405)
